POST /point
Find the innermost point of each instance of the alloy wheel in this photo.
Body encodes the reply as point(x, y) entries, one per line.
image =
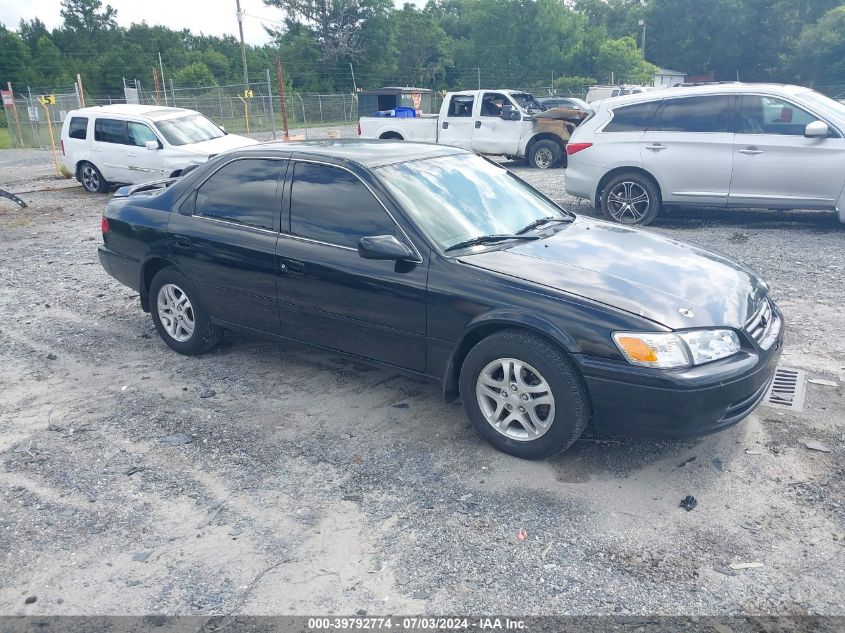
point(628, 202)
point(515, 399)
point(176, 312)
point(90, 178)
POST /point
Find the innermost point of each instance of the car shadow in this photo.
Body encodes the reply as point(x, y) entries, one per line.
point(695, 217)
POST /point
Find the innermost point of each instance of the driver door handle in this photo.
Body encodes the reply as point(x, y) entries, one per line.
point(751, 151)
point(655, 147)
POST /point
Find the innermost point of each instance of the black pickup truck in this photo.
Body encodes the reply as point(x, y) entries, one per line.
point(431, 260)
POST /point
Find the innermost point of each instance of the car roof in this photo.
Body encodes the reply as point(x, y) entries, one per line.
point(152, 112)
point(367, 152)
point(706, 89)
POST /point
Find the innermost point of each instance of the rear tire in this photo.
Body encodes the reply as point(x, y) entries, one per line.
point(91, 178)
point(178, 315)
point(545, 155)
point(523, 395)
point(631, 198)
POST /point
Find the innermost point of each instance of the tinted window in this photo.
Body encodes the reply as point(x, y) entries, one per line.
point(110, 131)
point(695, 114)
point(244, 191)
point(769, 115)
point(331, 205)
point(139, 134)
point(633, 118)
point(460, 106)
point(78, 127)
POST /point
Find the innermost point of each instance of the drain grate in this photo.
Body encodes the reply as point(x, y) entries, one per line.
point(787, 389)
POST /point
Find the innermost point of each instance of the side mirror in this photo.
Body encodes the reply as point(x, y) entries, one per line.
point(510, 113)
point(816, 129)
point(384, 247)
point(152, 145)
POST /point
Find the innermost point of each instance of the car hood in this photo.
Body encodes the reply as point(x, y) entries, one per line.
point(640, 272)
point(218, 145)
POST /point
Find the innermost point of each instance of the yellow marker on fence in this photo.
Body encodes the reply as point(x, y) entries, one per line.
point(47, 100)
point(44, 103)
point(246, 109)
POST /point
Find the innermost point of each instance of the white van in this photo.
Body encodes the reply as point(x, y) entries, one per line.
point(598, 93)
point(133, 144)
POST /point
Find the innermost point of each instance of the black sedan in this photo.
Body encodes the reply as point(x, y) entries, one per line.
point(437, 262)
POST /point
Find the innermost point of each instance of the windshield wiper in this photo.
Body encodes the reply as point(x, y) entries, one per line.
point(541, 222)
point(489, 239)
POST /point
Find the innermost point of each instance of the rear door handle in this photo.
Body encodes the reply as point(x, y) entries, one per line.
point(291, 266)
point(751, 151)
point(477, 124)
point(655, 147)
point(180, 241)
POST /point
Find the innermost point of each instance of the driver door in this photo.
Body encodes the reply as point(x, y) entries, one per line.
point(143, 164)
point(492, 134)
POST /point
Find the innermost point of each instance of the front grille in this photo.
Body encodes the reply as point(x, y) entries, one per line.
point(764, 326)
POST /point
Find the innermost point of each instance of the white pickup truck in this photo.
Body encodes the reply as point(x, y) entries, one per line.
point(496, 122)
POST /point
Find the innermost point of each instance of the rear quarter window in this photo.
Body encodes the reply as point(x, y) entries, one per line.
point(78, 128)
point(632, 118)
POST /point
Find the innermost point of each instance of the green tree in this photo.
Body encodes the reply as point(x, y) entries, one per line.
point(15, 59)
point(87, 16)
point(820, 50)
point(195, 75)
point(422, 47)
point(624, 60)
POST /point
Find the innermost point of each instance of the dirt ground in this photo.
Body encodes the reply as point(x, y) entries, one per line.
point(268, 478)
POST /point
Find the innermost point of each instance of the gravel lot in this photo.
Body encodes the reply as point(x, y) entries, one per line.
point(268, 478)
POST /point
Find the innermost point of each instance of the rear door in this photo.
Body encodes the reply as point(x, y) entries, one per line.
point(223, 239)
point(491, 134)
point(688, 148)
point(328, 294)
point(456, 126)
point(775, 165)
point(109, 148)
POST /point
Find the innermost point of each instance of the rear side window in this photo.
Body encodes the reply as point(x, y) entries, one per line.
point(244, 192)
point(632, 118)
point(331, 205)
point(696, 114)
point(78, 127)
point(110, 131)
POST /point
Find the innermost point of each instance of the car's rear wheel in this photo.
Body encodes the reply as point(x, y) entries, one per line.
point(178, 315)
point(545, 155)
point(91, 178)
point(523, 395)
point(631, 198)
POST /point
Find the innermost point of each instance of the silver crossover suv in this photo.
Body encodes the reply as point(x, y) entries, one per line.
point(720, 145)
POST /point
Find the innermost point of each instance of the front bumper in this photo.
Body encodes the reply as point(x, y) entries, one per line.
point(679, 403)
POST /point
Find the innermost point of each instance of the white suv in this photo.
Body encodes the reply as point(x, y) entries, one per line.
point(132, 144)
point(721, 145)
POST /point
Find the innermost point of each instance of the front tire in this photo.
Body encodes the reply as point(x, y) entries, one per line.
point(545, 155)
point(631, 198)
point(92, 179)
point(523, 395)
point(178, 315)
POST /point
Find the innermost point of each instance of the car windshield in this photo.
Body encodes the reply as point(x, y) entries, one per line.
point(188, 129)
point(831, 105)
point(459, 198)
point(527, 102)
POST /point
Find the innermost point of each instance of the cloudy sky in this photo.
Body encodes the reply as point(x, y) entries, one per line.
point(213, 17)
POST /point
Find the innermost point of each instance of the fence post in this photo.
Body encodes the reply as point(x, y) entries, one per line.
point(270, 99)
point(320, 101)
point(173, 92)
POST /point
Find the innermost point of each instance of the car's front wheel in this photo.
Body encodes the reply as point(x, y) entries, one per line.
point(523, 395)
point(178, 315)
point(545, 155)
point(631, 198)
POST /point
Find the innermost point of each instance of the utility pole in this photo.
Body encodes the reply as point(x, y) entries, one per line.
point(354, 85)
point(643, 24)
point(243, 46)
point(161, 66)
point(479, 78)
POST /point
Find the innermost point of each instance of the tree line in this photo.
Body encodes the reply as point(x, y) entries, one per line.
point(445, 44)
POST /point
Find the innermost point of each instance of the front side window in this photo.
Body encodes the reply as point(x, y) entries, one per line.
point(632, 118)
point(194, 128)
point(695, 114)
point(770, 115)
point(78, 128)
point(331, 205)
point(110, 131)
point(460, 106)
point(492, 102)
point(457, 198)
point(244, 192)
point(139, 134)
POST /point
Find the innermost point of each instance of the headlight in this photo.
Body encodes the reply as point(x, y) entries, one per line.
point(667, 350)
